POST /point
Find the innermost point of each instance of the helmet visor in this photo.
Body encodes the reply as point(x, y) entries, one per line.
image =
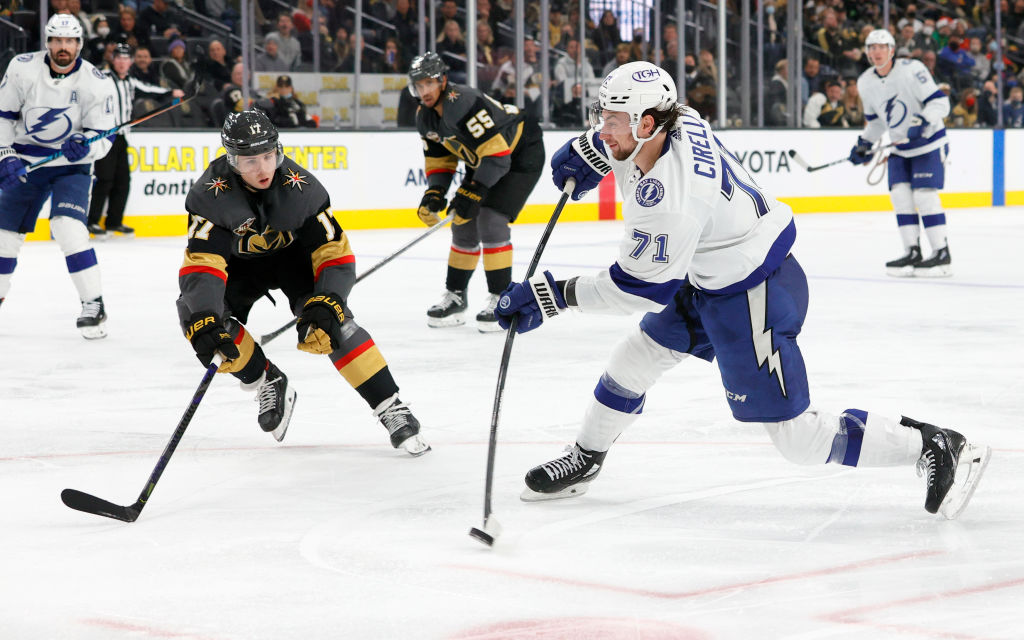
point(613, 123)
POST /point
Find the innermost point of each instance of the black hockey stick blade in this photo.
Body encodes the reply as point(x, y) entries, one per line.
point(91, 504)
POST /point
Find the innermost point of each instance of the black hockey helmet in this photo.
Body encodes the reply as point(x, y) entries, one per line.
point(122, 49)
point(426, 65)
point(249, 133)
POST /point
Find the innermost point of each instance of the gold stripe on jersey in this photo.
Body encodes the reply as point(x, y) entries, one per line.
point(448, 163)
point(199, 262)
point(497, 146)
point(331, 254)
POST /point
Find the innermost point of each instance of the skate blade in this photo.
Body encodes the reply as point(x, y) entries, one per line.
point(488, 327)
point(529, 495)
point(454, 320)
point(289, 405)
point(900, 272)
point(415, 446)
point(943, 271)
point(973, 464)
point(93, 333)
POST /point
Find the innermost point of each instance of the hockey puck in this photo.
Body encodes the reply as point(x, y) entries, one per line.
point(482, 536)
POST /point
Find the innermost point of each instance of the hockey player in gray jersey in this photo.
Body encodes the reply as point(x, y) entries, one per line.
point(901, 98)
point(49, 101)
point(503, 152)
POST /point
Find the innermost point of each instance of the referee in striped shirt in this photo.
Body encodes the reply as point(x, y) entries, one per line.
point(113, 177)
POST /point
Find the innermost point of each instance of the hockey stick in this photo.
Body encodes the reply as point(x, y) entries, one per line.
point(264, 339)
point(797, 158)
point(197, 80)
point(491, 528)
point(91, 504)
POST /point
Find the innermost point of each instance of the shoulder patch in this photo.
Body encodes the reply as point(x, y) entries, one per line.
point(99, 74)
point(25, 57)
point(217, 185)
point(649, 192)
point(294, 179)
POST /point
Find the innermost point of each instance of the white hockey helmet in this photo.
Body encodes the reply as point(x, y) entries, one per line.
point(64, 25)
point(634, 88)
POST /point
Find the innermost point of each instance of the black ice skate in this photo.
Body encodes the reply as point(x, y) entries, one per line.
point(564, 477)
point(90, 322)
point(123, 230)
point(449, 312)
point(904, 267)
point(402, 426)
point(486, 320)
point(938, 266)
point(98, 232)
point(951, 466)
point(277, 400)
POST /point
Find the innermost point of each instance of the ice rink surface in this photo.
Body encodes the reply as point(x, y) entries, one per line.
point(697, 527)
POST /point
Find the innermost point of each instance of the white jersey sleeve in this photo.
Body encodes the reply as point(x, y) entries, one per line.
point(697, 217)
point(892, 101)
point(39, 112)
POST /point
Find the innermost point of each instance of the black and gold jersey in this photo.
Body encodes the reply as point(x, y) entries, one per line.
point(486, 135)
point(228, 220)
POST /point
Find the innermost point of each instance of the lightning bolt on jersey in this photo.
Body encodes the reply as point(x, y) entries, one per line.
point(891, 101)
point(229, 220)
point(476, 129)
point(39, 112)
point(696, 216)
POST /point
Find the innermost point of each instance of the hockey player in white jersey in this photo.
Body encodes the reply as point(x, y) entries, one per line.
point(901, 98)
point(706, 252)
point(50, 101)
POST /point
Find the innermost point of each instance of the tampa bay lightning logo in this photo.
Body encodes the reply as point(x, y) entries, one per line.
point(649, 192)
point(895, 111)
point(47, 125)
point(505, 302)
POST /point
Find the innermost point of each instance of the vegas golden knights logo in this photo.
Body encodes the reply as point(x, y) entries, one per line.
point(269, 241)
point(461, 150)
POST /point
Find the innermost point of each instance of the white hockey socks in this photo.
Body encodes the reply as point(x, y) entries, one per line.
point(10, 245)
point(73, 238)
point(855, 439)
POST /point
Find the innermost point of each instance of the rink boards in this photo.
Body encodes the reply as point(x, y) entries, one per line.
point(376, 178)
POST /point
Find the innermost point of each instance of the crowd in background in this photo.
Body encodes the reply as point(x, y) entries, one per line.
point(953, 38)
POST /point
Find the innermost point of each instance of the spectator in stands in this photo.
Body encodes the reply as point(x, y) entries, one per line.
point(128, 30)
point(452, 49)
point(910, 19)
point(447, 11)
point(393, 62)
point(74, 7)
point(852, 104)
point(285, 109)
point(811, 81)
point(161, 19)
point(607, 37)
point(341, 48)
point(826, 109)
point(215, 66)
point(568, 114)
point(557, 26)
point(929, 59)
point(407, 28)
point(965, 112)
point(370, 62)
point(289, 48)
point(943, 30)
point(484, 44)
point(956, 64)
point(232, 94)
point(504, 87)
point(839, 47)
point(621, 58)
point(1013, 110)
point(988, 105)
point(96, 46)
point(775, 95)
point(176, 70)
point(982, 69)
point(270, 59)
point(571, 70)
point(142, 67)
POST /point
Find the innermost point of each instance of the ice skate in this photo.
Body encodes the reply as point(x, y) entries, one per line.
point(123, 230)
point(277, 401)
point(449, 312)
point(564, 477)
point(486, 320)
point(939, 265)
point(98, 232)
point(951, 466)
point(904, 267)
point(90, 322)
point(402, 426)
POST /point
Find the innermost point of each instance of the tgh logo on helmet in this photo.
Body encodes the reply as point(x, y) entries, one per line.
point(646, 75)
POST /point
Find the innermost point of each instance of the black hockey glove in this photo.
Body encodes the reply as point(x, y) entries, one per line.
point(466, 203)
point(208, 335)
point(433, 202)
point(320, 324)
point(861, 152)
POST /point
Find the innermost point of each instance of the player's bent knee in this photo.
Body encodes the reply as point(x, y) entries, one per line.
point(902, 197)
point(637, 362)
point(70, 234)
point(10, 243)
point(493, 226)
point(927, 201)
point(805, 439)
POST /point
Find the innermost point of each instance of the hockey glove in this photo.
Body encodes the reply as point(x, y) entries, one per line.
point(75, 147)
point(320, 324)
point(208, 335)
point(433, 202)
point(532, 300)
point(466, 203)
point(861, 152)
point(580, 159)
point(12, 169)
point(917, 127)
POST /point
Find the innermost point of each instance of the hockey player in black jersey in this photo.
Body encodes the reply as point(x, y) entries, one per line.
point(258, 221)
point(503, 153)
